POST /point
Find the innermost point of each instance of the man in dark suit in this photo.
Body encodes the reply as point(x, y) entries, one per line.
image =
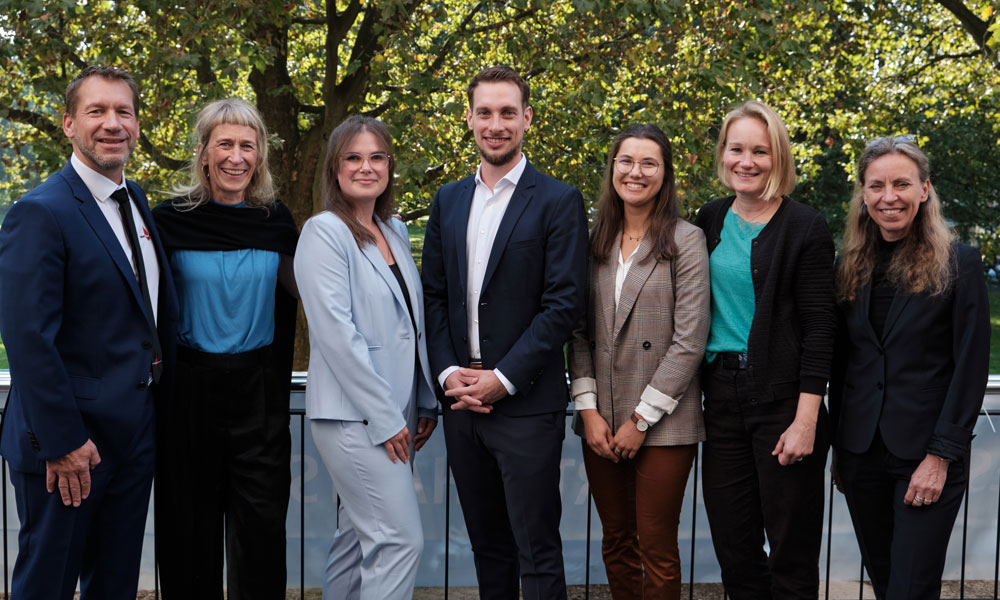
point(504, 274)
point(87, 313)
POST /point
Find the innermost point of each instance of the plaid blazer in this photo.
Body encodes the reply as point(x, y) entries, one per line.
point(652, 343)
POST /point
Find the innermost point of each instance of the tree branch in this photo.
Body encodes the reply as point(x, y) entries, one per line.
point(975, 26)
point(39, 121)
point(159, 157)
point(934, 60)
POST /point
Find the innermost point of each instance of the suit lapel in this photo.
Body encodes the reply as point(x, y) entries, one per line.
point(99, 223)
point(518, 202)
point(606, 289)
point(398, 250)
point(461, 224)
point(638, 273)
point(899, 301)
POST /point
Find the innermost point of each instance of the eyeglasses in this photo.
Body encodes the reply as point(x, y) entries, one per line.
point(376, 160)
point(647, 167)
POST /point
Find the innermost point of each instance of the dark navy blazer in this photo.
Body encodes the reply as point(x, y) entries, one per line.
point(533, 292)
point(73, 321)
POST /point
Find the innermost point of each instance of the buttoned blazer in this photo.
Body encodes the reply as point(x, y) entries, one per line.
point(921, 383)
point(361, 338)
point(533, 292)
point(655, 337)
point(75, 327)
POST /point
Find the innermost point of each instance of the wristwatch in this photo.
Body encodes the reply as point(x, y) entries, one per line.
point(641, 424)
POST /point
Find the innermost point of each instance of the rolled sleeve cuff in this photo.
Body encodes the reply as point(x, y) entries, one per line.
point(653, 404)
point(511, 388)
point(584, 393)
point(444, 376)
point(947, 449)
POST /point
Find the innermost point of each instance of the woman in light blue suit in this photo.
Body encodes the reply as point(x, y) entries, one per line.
point(369, 383)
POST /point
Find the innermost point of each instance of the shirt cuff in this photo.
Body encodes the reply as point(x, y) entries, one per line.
point(653, 404)
point(583, 390)
point(511, 389)
point(444, 376)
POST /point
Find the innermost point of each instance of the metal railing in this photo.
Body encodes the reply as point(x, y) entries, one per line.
point(991, 406)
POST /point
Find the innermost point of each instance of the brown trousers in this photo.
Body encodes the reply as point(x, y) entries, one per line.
point(639, 503)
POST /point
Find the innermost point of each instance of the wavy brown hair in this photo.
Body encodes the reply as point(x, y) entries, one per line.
point(333, 197)
point(923, 261)
point(611, 211)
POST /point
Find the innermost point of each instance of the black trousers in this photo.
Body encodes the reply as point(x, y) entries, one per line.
point(749, 494)
point(222, 479)
point(507, 476)
point(903, 547)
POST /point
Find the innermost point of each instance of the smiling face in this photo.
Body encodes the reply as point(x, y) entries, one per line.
point(747, 157)
point(230, 157)
point(104, 126)
point(363, 172)
point(498, 121)
point(637, 190)
point(893, 194)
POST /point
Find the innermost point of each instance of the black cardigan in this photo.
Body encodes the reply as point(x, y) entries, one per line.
point(790, 347)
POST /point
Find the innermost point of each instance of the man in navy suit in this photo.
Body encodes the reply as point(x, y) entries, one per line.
point(504, 274)
point(87, 313)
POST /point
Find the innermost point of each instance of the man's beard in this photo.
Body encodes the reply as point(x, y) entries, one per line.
point(499, 160)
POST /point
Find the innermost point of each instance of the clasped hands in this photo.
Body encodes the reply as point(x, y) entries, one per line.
point(475, 390)
point(622, 445)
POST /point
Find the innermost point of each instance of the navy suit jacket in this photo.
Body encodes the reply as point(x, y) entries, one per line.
point(921, 383)
point(533, 292)
point(74, 325)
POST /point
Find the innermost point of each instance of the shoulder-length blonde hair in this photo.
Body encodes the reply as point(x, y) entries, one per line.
point(228, 111)
point(611, 210)
point(922, 262)
point(781, 180)
point(333, 197)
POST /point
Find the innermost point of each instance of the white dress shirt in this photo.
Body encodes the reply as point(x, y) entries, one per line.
point(101, 188)
point(485, 213)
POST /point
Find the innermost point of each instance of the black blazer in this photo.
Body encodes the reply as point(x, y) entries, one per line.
point(791, 339)
point(533, 293)
point(922, 383)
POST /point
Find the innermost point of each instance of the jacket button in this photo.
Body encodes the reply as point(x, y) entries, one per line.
point(141, 385)
point(879, 385)
point(465, 339)
point(146, 345)
point(364, 422)
point(593, 345)
point(755, 271)
point(646, 345)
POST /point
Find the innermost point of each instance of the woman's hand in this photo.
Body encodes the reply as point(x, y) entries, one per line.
point(425, 427)
point(797, 441)
point(398, 446)
point(628, 440)
point(926, 482)
point(598, 434)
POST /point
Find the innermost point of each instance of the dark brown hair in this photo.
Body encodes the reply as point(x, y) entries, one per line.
point(611, 212)
point(500, 73)
point(333, 197)
point(109, 73)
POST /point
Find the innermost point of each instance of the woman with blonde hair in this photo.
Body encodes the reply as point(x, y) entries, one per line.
point(224, 447)
point(768, 361)
point(633, 364)
point(910, 372)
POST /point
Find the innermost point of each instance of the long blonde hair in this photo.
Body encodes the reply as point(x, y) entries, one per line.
point(922, 262)
point(228, 111)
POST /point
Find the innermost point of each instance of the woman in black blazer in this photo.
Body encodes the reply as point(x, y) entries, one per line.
point(768, 355)
point(911, 370)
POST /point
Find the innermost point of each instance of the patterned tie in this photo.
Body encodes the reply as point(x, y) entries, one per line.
point(124, 207)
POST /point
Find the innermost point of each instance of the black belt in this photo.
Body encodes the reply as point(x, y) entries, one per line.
point(733, 360)
point(225, 362)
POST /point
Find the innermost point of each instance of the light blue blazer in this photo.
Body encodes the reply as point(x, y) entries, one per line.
point(361, 338)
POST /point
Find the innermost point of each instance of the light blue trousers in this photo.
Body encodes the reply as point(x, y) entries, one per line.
point(376, 548)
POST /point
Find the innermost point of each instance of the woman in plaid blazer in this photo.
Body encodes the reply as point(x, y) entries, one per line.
point(634, 361)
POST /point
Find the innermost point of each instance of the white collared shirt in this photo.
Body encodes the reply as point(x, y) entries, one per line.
point(622, 272)
point(485, 214)
point(101, 189)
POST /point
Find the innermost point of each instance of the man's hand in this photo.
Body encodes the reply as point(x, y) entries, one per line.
point(458, 380)
point(71, 473)
point(425, 427)
point(479, 395)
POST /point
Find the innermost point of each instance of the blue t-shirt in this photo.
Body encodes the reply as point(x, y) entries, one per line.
point(226, 298)
point(732, 287)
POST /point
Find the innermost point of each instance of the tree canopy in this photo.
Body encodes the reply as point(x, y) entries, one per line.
point(840, 72)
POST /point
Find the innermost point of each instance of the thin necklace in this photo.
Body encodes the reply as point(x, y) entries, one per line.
point(634, 238)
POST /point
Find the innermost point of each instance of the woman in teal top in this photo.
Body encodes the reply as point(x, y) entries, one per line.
point(223, 442)
point(768, 353)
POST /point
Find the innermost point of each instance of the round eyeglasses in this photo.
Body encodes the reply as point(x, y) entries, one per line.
point(647, 167)
point(377, 160)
